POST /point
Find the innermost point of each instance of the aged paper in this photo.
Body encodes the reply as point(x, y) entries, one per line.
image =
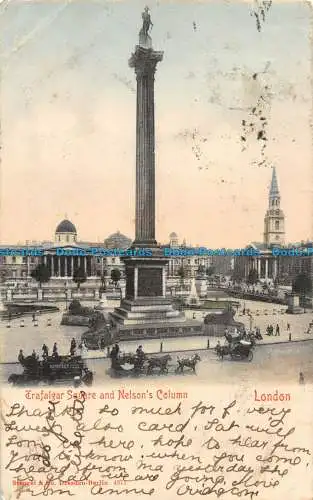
point(156, 255)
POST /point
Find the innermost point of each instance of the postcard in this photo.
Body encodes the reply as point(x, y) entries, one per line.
point(156, 252)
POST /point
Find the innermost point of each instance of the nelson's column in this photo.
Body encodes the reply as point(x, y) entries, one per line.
point(145, 311)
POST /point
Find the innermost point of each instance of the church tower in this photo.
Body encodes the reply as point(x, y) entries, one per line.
point(274, 221)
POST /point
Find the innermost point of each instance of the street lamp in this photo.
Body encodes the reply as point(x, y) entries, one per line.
point(250, 321)
point(65, 291)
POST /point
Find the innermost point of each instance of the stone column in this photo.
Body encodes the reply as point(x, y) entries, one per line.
point(65, 266)
point(72, 266)
point(274, 268)
point(266, 269)
point(59, 266)
point(52, 265)
point(45, 260)
point(144, 61)
point(259, 268)
point(164, 282)
point(135, 283)
point(85, 264)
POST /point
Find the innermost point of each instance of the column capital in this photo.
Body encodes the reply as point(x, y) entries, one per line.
point(144, 61)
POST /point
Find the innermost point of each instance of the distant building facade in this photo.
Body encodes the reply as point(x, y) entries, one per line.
point(14, 267)
point(191, 264)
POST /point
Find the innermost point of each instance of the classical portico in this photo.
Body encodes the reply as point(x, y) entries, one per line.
point(63, 266)
point(265, 264)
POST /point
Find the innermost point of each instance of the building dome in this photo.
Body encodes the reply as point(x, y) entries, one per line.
point(173, 235)
point(66, 226)
point(117, 240)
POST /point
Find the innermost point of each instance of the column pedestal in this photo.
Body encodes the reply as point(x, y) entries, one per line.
point(145, 311)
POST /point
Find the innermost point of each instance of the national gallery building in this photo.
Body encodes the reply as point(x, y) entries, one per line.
point(53, 255)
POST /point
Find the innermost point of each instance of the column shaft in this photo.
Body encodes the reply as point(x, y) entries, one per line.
point(144, 62)
point(135, 283)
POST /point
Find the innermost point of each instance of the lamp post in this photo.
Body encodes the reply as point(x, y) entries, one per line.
point(65, 291)
point(250, 321)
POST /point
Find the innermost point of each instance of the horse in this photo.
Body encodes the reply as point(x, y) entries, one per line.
point(160, 362)
point(14, 379)
point(188, 362)
point(222, 350)
point(87, 378)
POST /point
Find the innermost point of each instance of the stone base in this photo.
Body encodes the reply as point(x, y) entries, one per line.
point(74, 320)
point(146, 310)
point(157, 331)
point(295, 310)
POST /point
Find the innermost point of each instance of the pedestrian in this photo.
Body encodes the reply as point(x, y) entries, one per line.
point(34, 355)
point(55, 350)
point(21, 357)
point(161, 347)
point(73, 347)
point(301, 378)
point(117, 349)
point(208, 344)
point(45, 351)
point(289, 336)
point(219, 350)
point(288, 327)
point(277, 330)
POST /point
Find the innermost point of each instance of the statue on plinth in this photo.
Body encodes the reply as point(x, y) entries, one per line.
point(144, 37)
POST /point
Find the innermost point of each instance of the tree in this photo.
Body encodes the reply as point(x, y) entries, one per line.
point(182, 273)
point(79, 276)
point(41, 274)
point(210, 271)
point(103, 281)
point(253, 277)
point(201, 269)
point(75, 307)
point(302, 285)
point(115, 275)
point(4, 274)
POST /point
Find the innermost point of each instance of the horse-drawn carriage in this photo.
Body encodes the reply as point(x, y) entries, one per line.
point(132, 364)
point(237, 349)
point(52, 369)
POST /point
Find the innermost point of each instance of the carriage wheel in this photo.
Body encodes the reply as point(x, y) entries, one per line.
point(250, 356)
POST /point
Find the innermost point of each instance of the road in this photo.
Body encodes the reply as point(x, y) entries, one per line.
point(274, 364)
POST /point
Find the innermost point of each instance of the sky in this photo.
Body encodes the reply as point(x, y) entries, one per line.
point(68, 111)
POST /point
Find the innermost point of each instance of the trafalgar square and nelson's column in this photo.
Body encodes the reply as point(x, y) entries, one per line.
point(145, 311)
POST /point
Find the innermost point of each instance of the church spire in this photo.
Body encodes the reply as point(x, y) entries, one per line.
point(274, 195)
point(274, 221)
point(274, 191)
